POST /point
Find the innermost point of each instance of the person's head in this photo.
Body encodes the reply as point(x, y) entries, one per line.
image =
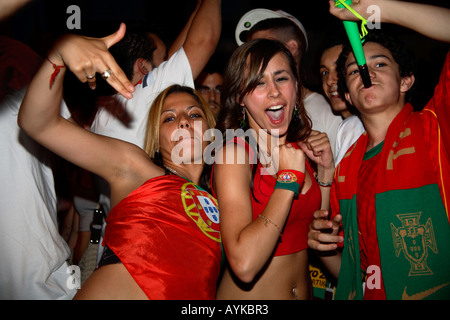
point(134, 55)
point(209, 84)
point(160, 53)
point(391, 68)
point(275, 25)
point(156, 36)
point(261, 82)
point(331, 49)
point(177, 107)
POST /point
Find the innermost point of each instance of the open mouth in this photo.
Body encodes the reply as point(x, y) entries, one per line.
point(334, 94)
point(276, 113)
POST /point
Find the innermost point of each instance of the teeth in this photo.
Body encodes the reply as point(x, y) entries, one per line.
point(275, 108)
point(334, 94)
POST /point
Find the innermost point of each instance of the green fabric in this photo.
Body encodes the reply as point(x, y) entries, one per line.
point(349, 281)
point(414, 241)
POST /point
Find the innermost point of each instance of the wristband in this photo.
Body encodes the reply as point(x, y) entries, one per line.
point(290, 180)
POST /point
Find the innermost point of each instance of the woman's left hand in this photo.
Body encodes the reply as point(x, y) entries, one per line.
point(86, 56)
point(318, 148)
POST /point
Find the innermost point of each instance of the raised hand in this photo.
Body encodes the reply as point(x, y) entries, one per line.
point(317, 147)
point(86, 56)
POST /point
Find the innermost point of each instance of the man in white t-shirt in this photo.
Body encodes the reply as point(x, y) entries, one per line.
point(182, 67)
point(281, 26)
point(352, 127)
point(32, 252)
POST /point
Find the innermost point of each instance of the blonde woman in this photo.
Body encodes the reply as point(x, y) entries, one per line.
point(157, 245)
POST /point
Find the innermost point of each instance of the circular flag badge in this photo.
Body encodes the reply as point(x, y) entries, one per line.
point(201, 207)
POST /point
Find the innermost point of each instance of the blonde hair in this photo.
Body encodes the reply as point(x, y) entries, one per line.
point(151, 144)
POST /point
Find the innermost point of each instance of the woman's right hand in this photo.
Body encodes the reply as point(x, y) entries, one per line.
point(86, 56)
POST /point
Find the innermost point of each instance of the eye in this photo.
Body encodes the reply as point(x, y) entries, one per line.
point(380, 64)
point(168, 119)
point(353, 71)
point(281, 79)
point(195, 115)
point(323, 73)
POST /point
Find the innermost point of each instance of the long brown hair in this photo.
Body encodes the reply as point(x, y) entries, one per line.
point(243, 73)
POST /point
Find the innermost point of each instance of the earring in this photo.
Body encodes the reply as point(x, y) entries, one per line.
point(242, 123)
point(296, 111)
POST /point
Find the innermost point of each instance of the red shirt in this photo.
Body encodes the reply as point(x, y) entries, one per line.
point(368, 241)
point(296, 228)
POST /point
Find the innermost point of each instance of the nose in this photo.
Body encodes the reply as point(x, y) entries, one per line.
point(332, 78)
point(184, 123)
point(274, 91)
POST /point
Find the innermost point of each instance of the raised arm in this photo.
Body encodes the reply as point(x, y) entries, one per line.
point(203, 35)
point(431, 21)
point(39, 113)
point(181, 38)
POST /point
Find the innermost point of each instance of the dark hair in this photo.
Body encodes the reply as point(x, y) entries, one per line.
point(242, 75)
point(401, 54)
point(133, 46)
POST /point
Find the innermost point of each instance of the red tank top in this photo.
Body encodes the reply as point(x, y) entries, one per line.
point(296, 228)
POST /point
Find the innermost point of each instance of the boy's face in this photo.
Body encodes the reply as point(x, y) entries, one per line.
point(329, 75)
point(388, 87)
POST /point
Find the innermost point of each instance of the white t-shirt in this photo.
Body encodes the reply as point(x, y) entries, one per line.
point(322, 117)
point(32, 253)
point(348, 132)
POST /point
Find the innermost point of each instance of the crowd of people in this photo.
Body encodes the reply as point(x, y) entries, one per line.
point(350, 181)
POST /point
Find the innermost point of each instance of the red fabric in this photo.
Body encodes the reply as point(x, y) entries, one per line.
point(432, 166)
point(296, 228)
point(166, 233)
point(368, 241)
point(295, 232)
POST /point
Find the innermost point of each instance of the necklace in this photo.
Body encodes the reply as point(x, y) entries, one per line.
point(172, 170)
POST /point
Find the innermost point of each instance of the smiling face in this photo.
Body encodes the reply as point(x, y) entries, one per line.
point(329, 75)
point(182, 125)
point(271, 104)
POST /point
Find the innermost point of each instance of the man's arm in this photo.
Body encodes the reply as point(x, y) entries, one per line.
point(429, 20)
point(203, 35)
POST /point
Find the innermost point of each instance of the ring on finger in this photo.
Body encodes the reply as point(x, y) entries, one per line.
point(106, 74)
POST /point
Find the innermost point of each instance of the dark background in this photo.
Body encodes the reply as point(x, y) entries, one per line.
point(42, 21)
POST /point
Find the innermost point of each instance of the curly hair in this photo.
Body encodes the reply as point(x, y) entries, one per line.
point(242, 75)
point(401, 54)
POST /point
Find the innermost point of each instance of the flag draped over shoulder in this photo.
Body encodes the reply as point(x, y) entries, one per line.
point(166, 233)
